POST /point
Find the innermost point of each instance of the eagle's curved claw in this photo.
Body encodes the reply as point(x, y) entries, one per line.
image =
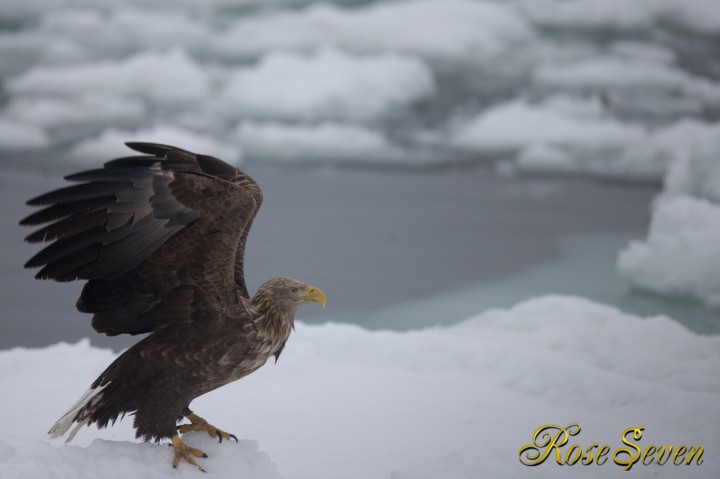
point(186, 453)
point(199, 424)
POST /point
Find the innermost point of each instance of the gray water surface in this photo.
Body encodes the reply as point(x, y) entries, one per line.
point(393, 250)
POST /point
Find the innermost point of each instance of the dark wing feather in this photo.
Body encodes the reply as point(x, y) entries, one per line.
point(148, 233)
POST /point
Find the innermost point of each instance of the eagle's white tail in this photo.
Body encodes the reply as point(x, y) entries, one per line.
point(64, 423)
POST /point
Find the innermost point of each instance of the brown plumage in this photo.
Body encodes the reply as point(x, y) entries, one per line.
point(160, 240)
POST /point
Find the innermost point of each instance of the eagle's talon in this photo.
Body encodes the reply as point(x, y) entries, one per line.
point(186, 453)
point(199, 424)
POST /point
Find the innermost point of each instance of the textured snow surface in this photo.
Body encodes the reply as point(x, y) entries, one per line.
point(416, 81)
point(329, 84)
point(434, 403)
point(681, 252)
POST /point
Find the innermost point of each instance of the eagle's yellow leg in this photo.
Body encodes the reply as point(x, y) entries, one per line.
point(199, 424)
point(183, 451)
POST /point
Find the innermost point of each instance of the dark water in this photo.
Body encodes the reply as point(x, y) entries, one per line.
point(395, 250)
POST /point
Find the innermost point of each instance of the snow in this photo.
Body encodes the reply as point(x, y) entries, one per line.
point(122, 31)
point(588, 14)
point(439, 402)
point(325, 142)
point(698, 16)
point(615, 72)
point(16, 135)
point(566, 134)
point(175, 78)
point(562, 121)
point(410, 73)
point(681, 252)
point(111, 144)
point(562, 135)
point(106, 459)
point(83, 111)
point(326, 85)
point(609, 88)
point(460, 29)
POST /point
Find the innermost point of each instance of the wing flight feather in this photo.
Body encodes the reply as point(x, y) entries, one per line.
point(148, 233)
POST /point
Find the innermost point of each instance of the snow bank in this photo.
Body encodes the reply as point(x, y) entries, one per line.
point(326, 85)
point(441, 402)
point(26, 458)
point(681, 252)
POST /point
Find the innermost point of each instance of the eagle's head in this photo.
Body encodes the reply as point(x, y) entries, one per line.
point(286, 295)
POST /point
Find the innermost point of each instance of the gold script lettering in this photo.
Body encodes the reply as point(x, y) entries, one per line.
point(631, 458)
point(691, 453)
point(546, 439)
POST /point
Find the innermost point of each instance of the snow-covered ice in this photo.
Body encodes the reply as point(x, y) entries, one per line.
point(325, 142)
point(111, 144)
point(698, 16)
point(433, 77)
point(455, 29)
point(441, 402)
point(175, 79)
point(562, 121)
point(21, 136)
point(90, 111)
point(327, 85)
point(681, 252)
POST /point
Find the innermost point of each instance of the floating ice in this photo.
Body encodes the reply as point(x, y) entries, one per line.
point(80, 112)
point(699, 16)
point(637, 76)
point(681, 252)
point(326, 85)
point(170, 78)
point(21, 136)
point(325, 142)
point(110, 144)
point(562, 122)
point(459, 29)
point(428, 74)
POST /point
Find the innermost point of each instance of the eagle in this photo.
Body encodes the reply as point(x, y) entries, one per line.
point(160, 239)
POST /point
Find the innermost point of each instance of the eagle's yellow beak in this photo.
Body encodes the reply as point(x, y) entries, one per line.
point(315, 295)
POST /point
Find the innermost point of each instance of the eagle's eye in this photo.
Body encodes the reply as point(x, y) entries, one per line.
point(294, 290)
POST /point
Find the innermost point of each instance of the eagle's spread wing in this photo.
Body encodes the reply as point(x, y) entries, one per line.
point(151, 234)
